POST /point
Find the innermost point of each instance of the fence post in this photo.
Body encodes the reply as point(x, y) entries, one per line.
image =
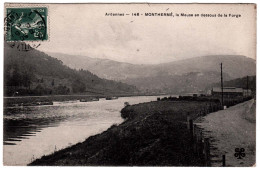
point(223, 160)
point(194, 135)
point(188, 121)
point(207, 151)
point(200, 144)
point(191, 127)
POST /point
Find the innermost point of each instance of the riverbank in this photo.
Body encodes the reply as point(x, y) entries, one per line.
point(153, 134)
point(49, 99)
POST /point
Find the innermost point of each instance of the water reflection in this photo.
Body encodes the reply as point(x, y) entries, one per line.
point(22, 122)
point(31, 132)
point(17, 129)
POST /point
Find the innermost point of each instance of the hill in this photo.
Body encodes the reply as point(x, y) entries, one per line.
point(105, 68)
point(189, 75)
point(177, 84)
point(36, 73)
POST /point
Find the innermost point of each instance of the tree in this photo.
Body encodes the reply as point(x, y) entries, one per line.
point(78, 86)
point(39, 90)
point(16, 79)
point(26, 80)
point(52, 83)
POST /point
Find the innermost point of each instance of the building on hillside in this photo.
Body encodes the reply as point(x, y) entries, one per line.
point(247, 92)
point(194, 94)
point(227, 91)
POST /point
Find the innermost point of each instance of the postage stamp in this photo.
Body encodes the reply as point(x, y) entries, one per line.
point(26, 24)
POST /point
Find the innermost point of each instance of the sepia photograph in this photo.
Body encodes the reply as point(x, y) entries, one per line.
point(129, 84)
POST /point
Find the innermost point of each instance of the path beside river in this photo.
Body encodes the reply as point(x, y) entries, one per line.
point(232, 128)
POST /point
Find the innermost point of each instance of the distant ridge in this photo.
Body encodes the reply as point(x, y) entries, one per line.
point(188, 75)
point(235, 65)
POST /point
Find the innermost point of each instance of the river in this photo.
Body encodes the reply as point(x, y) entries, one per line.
point(31, 132)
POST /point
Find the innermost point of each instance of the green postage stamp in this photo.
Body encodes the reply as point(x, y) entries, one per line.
point(26, 24)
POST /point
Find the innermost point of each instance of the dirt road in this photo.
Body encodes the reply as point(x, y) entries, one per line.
point(229, 129)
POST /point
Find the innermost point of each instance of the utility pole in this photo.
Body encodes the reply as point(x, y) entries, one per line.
point(247, 86)
point(222, 97)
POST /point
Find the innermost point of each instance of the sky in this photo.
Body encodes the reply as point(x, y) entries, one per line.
point(83, 29)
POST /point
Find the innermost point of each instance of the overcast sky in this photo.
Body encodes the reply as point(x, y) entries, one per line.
point(85, 30)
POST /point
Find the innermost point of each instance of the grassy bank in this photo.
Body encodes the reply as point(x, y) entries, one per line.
point(153, 134)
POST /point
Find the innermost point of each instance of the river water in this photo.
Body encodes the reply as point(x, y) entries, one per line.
point(31, 132)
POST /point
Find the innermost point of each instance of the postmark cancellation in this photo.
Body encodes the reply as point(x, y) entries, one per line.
point(26, 24)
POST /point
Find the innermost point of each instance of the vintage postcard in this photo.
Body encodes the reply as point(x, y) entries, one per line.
point(137, 84)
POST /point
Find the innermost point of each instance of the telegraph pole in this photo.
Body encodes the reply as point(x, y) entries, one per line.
point(222, 97)
point(247, 86)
